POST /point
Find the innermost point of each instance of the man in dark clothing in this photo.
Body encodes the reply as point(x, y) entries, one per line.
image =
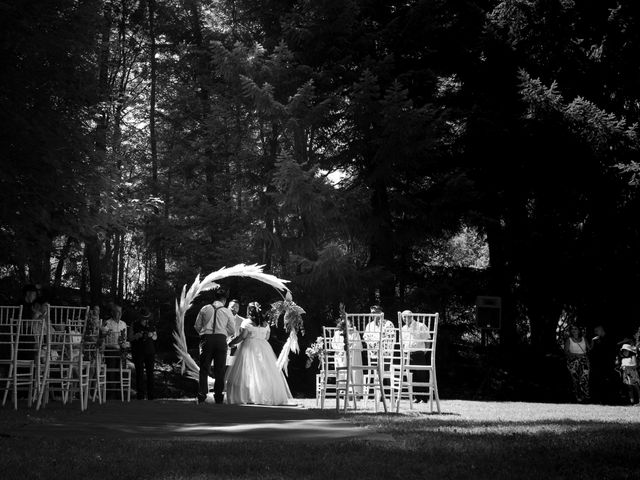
point(143, 350)
point(603, 358)
point(29, 295)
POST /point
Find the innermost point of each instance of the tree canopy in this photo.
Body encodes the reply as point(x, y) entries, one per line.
point(415, 153)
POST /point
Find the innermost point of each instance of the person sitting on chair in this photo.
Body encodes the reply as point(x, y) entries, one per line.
point(355, 351)
point(115, 344)
point(415, 336)
point(372, 331)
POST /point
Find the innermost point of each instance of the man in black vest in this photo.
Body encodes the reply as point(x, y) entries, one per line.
point(214, 324)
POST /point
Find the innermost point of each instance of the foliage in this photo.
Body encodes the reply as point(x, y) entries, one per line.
point(314, 351)
point(291, 315)
point(408, 153)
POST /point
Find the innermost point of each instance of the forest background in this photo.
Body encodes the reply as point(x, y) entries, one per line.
point(415, 154)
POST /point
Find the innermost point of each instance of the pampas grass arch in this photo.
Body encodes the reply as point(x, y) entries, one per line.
point(184, 303)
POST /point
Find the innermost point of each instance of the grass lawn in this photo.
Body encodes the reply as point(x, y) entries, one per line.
point(470, 440)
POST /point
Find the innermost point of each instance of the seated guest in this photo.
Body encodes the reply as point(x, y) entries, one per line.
point(372, 332)
point(115, 329)
point(115, 342)
point(355, 352)
point(415, 336)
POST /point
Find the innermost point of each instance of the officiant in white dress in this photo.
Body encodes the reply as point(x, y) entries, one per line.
point(254, 377)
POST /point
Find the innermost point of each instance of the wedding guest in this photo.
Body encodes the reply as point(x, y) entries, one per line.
point(355, 353)
point(576, 347)
point(29, 295)
point(93, 329)
point(629, 370)
point(143, 350)
point(602, 359)
point(214, 324)
point(371, 336)
point(415, 336)
point(115, 331)
point(372, 331)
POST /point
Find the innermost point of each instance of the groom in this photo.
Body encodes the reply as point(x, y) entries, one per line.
point(214, 324)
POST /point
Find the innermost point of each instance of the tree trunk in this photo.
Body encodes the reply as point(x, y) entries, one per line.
point(115, 264)
point(382, 245)
point(83, 279)
point(159, 270)
point(64, 253)
point(121, 269)
point(92, 254)
point(92, 241)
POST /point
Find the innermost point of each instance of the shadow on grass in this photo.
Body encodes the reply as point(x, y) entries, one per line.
point(441, 449)
point(425, 446)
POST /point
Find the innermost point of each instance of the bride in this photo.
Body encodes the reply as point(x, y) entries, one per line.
point(254, 376)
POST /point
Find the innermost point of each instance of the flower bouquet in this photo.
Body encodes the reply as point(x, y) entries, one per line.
point(315, 350)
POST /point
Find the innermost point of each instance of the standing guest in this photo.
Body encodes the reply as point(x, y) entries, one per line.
point(602, 358)
point(575, 349)
point(234, 307)
point(29, 295)
point(214, 324)
point(629, 370)
point(143, 349)
point(415, 336)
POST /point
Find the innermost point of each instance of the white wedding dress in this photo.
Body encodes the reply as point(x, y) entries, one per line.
point(254, 376)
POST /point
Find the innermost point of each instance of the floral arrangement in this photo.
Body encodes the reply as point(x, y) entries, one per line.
point(293, 324)
point(290, 312)
point(315, 350)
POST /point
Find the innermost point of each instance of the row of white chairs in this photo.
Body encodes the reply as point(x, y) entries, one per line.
point(384, 364)
point(55, 356)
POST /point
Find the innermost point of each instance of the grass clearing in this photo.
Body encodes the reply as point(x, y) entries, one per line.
point(478, 440)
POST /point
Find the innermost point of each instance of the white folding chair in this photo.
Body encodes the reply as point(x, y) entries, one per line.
point(9, 315)
point(63, 315)
point(27, 369)
point(327, 379)
point(115, 374)
point(10, 312)
point(367, 377)
point(66, 371)
point(405, 383)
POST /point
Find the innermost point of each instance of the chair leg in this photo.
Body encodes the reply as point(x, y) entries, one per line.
point(382, 395)
point(434, 390)
point(8, 383)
